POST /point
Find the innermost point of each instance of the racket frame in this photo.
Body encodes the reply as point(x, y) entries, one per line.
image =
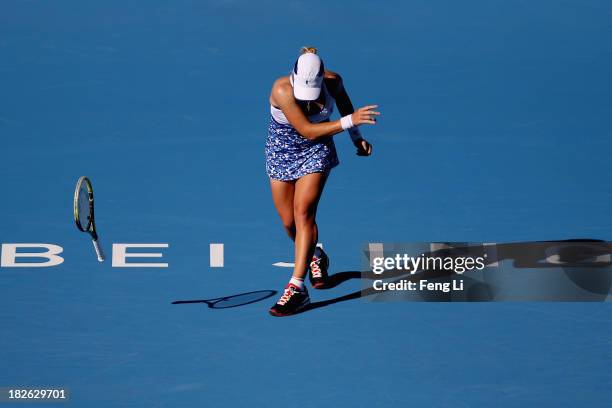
point(91, 224)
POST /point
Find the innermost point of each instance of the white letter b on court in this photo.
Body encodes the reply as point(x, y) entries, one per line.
point(10, 255)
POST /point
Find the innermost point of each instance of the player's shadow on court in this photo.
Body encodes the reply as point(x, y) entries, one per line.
point(576, 255)
point(341, 277)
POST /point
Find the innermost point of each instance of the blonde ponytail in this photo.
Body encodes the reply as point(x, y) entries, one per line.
point(305, 50)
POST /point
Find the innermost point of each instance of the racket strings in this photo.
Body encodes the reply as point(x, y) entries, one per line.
point(84, 208)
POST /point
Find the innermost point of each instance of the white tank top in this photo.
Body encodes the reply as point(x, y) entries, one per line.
point(322, 116)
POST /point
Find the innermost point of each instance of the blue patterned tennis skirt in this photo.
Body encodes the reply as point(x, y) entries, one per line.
point(290, 156)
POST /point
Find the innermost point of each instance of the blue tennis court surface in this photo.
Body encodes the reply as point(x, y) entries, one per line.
point(495, 127)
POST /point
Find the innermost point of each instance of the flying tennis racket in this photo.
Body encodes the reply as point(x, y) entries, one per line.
point(84, 212)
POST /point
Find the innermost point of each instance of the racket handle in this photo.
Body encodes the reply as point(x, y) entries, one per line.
point(99, 252)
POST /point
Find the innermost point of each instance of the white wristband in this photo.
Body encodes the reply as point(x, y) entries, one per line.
point(346, 122)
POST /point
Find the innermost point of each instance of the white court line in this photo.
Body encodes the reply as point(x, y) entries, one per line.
point(216, 255)
point(284, 264)
point(291, 264)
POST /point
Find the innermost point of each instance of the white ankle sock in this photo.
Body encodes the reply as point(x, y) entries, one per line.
point(297, 282)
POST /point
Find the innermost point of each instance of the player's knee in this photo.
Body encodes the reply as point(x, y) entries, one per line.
point(303, 215)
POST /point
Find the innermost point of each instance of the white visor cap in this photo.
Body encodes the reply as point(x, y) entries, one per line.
point(307, 77)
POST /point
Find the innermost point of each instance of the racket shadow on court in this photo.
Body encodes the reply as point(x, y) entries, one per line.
point(228, 302)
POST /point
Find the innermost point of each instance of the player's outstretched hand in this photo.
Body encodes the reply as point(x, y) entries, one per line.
point(366, 115)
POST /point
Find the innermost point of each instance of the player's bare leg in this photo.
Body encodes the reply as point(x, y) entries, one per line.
point(308, 190)
point(296, 203)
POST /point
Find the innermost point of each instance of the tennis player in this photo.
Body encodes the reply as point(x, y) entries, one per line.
point(300, 154)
